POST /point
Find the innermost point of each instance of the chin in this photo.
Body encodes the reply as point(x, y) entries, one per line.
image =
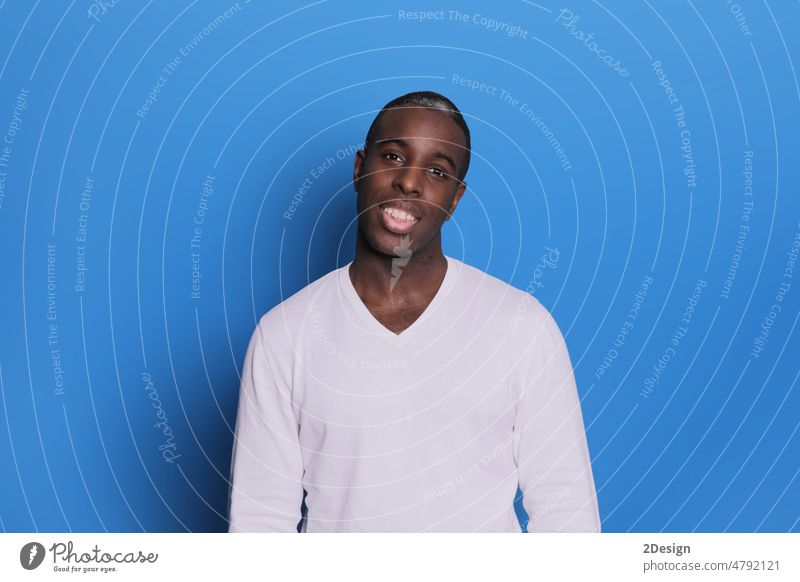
point(390, 245)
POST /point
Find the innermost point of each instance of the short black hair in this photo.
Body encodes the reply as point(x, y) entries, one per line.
point(428, 100)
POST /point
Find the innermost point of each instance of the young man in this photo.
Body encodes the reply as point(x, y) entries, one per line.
point(408, 391)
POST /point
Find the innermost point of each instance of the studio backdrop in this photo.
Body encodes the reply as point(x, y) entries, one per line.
point(170, 171)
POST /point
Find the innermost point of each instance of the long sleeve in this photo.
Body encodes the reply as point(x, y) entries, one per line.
point(267, 467)
point(552, 456)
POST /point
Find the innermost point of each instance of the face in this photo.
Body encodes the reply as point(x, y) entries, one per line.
point(407, 180)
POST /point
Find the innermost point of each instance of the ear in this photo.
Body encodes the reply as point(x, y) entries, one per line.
point(358, 167)
point(459, 193)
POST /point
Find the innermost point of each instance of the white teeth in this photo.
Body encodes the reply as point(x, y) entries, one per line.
point(399, 214)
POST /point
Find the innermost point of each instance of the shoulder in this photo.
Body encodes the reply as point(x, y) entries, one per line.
point(279, 324)
point(507, 303)
point(510, 315)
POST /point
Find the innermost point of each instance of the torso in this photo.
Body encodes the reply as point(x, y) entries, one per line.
point(402, 433)
point(397, 320)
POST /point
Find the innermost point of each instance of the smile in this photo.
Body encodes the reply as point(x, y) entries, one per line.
point(399, 214)
point(396, 220)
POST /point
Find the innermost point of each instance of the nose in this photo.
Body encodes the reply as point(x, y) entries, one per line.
point(408, 179)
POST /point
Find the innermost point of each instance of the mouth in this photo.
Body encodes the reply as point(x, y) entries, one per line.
point(397, 217)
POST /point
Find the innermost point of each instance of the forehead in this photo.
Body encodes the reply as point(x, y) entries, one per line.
point(419, 123)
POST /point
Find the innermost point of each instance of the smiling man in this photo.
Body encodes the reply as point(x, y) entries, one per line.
point(408, 391)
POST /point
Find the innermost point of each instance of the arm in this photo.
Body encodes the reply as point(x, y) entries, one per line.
point(266, 467)
point(552, 456)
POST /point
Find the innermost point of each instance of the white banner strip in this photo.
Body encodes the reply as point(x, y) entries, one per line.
point(399, 557)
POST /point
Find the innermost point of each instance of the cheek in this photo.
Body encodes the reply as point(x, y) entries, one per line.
point(442, 202)
point(373, 183)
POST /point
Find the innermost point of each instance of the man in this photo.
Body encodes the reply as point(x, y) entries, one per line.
point(408, 391)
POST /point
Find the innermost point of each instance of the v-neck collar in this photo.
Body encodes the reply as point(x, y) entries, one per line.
point(419, 326)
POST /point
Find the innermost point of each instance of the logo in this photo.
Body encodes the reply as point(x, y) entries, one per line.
point(404, 253)
point(31, 555)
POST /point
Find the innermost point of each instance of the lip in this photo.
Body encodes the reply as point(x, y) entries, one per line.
point(406, 207)
point(394, 226)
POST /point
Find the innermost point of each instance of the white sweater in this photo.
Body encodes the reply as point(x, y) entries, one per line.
point(429, 430)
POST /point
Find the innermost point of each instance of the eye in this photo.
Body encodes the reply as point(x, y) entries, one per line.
point(393, 157)
point(438, 172)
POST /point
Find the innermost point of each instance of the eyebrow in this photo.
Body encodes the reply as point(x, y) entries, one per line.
point(438, 153)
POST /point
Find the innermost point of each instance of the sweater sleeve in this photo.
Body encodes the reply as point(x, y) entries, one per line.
point(266, 467)
point(554, 468)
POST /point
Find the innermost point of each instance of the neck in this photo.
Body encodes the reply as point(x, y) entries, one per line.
point(380, 278)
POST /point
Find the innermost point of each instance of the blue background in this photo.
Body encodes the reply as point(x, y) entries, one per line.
point(264, 96)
